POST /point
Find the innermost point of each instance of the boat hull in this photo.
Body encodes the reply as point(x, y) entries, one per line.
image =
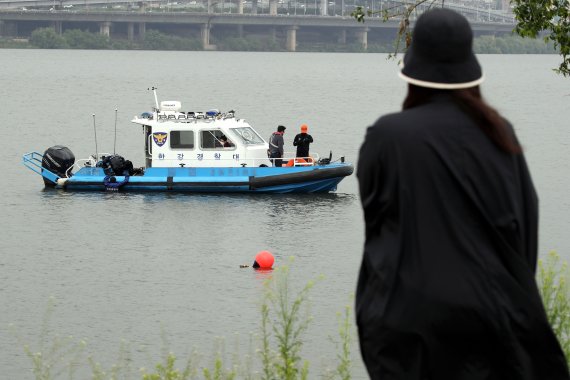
point(309, 179)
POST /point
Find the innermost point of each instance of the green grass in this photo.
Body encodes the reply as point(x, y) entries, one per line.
point(553, 282)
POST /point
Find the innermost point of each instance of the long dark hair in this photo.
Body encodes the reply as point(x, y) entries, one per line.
point(472, 103)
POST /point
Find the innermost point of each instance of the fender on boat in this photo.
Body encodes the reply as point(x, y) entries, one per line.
point(293, 178)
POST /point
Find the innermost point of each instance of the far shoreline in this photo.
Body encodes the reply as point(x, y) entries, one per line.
point(47, 38)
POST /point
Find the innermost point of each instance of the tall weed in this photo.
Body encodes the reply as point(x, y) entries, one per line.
point(344, 366)
point(286, 319)
point(553, 283)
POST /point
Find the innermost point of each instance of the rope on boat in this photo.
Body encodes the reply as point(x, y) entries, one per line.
point(111, 183)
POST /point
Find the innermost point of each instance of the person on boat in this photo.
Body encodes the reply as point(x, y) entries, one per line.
point(446, 288)
point(224, 142)
point(276, 143)
point(302, 141)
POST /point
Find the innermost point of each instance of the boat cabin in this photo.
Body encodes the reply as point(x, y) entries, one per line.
point(174, 138)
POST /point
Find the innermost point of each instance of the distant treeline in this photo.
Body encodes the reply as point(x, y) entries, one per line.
point(47, 38)
point(511, 45)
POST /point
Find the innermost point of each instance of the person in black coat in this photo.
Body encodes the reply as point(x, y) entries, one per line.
point(276, 143)
point(302, 142)
point(446, 288)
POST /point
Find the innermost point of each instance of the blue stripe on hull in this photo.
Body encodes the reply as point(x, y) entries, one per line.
point(224, 180)
point(313, 187)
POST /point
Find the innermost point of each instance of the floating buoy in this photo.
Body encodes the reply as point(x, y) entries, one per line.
point(263, 260)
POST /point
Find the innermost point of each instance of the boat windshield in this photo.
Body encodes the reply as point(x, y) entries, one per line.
point(247, 135)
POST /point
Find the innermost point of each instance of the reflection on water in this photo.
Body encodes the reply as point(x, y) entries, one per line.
point(263, 274)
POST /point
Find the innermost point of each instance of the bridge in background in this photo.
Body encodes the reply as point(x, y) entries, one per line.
point(321, 7)
point(132, 24)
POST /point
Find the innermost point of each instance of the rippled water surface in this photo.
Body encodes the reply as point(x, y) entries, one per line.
point(161, 272)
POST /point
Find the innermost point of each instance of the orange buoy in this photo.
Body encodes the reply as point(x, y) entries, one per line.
point(263, 260)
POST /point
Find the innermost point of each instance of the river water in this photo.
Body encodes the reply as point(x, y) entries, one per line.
point(157, 273)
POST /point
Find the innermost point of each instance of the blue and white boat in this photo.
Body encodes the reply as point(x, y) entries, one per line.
point(191, 152)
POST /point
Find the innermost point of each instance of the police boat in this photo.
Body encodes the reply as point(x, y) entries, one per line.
point(208, 151)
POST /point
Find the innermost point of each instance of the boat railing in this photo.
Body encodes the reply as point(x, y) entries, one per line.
point(192, 116)
point(288, 159)
point(291, 159)
point(33, 161)
point(91, 161)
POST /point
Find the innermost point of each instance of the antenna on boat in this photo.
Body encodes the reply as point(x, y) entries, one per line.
point(155, 97)
point(95, 129)
point(115, 142)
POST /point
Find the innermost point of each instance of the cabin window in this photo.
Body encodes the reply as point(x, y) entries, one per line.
point(182, 139)
point(215, 139)
point(248, 136)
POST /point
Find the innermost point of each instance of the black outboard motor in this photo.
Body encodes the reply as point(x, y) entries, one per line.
point(57, 159)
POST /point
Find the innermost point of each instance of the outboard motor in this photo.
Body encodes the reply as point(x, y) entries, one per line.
point(57, 159)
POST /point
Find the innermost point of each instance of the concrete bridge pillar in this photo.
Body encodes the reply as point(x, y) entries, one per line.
point(240, 30)
point(142, 30)
point(362, 38)
point(291, 44)
point(324, 9)
point(57, 26)
point(342, 37)
point(253, 7)
point(273, 7)
point(205, 33)
point(105, 28)
point(240, 7)
point(131, 31)
point(210, 6)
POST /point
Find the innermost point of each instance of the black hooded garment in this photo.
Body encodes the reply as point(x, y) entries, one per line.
point(446, 288)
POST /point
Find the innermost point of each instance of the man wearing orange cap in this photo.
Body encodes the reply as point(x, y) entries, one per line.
point(302, 141)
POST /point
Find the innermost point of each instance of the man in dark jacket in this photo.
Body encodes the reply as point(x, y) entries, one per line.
point(302, 141)
point(276, 146)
